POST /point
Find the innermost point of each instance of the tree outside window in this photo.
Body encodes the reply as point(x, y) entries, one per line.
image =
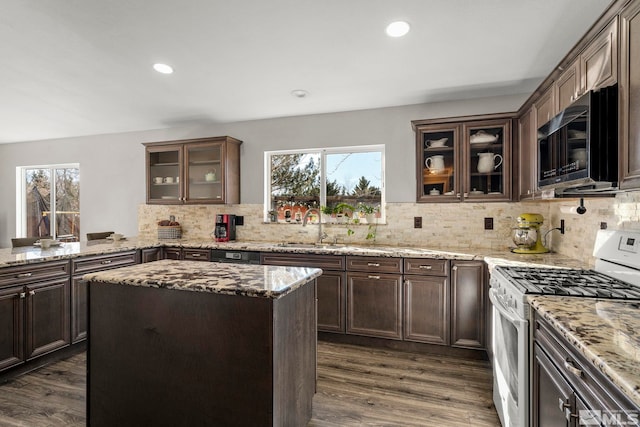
point(50, 202)
point(328, 178)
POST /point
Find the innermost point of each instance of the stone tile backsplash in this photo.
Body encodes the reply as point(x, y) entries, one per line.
point(444, 225)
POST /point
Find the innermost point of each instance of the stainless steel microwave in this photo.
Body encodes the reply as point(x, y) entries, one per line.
point(579, 146)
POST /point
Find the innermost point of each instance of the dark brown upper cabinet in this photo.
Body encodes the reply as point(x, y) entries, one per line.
point(629, 87)
point(464, 158)
point(194, 171)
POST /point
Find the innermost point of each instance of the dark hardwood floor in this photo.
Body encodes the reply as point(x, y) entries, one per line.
point(357, 386)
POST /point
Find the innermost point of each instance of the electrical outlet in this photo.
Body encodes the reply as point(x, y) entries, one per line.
point(562, 226)
point(488, 223)
point(603, 225)
point(417, 222)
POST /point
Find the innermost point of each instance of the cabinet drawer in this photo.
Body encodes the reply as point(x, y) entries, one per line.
point(90, 264)
point(326, 262)
point(426, 266)
point(196, 254)
point(374, 264)
point(33, 272)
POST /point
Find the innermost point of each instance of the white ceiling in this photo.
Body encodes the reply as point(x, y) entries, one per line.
point(83, 67)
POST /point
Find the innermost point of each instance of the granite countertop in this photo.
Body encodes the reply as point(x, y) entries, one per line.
point(29, 254)
point(264, 281)
point(606, 332)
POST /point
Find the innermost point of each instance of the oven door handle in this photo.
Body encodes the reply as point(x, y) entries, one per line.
point(508, 313)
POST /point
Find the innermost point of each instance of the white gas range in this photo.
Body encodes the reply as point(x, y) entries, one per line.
point(616, 276)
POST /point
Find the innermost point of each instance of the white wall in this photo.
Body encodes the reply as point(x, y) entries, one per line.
point(112, 182)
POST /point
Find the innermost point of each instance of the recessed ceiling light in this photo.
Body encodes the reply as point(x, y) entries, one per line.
point(398, 29)
point(163, 68)
point(299, 93)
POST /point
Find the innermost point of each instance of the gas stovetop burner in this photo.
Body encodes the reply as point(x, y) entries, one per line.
point(569, 282)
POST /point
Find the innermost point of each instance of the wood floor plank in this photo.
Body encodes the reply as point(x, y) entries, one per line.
point(357, 386)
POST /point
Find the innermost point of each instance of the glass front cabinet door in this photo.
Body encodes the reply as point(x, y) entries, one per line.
point(164, 169)
point(487, 159)
point(438, 151)
point(460, 159)
point(197, 171)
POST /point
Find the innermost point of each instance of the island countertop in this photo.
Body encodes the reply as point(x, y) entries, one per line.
point(264, 281)
point(606, 332)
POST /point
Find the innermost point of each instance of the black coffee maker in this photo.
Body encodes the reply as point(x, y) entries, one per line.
point(225, 227)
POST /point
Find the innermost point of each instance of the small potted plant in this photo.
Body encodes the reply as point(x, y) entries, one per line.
point(342, 211)
point(369, 212)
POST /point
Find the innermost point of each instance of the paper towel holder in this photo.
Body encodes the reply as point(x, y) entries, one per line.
point(581, 209)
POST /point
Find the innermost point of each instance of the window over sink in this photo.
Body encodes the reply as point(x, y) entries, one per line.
point(331, 179)
point(48, 201)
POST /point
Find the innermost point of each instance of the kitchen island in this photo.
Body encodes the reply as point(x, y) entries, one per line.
point(189, 343)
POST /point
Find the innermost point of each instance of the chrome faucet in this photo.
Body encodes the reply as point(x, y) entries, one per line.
point(321, 234)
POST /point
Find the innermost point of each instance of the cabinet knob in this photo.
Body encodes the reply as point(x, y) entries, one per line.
point(373, 277)
point(23, 275)
point(32, 293)
point(454, 268)
point(106, 261)
point(23, 295)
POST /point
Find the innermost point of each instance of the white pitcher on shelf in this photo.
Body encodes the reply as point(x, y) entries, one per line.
point(435, 163)
point(487, 162)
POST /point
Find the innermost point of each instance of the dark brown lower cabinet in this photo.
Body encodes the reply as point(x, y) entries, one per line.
point(568, 390)
point(172, 253)
point(426, 317)
point(35, 319)
point(374, 305)
point(331, 301)
point(196, 254)
point(331, 287)
point(34, 311)
point(78, 309)
point(12, 321)
point(90, 264)
point(553, 398)
point(150, 254)
point(467, 304)
point(47, 317)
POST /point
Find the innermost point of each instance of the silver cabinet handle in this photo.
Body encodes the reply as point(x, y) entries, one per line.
point(23, 275)
point(568, 365)
point(373, 264)
point(23, 295)
point(562, 405)
point(426, 267)
point(195, 255)
point(454, 268)
point(106, 261)
point(32, 293)
point(374, 277)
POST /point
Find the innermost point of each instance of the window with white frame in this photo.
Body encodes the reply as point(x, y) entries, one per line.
point(347, 179)
point(48, 201)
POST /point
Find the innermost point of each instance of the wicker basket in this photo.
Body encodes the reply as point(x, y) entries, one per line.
point(169, 232)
